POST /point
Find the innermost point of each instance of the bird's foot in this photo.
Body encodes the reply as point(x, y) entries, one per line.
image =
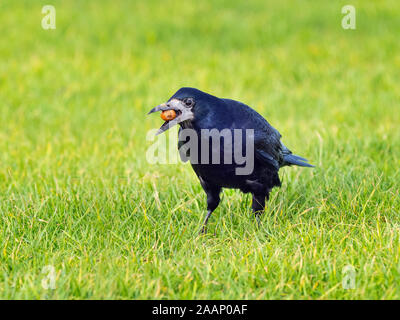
point(258, 219)
point(203, 231)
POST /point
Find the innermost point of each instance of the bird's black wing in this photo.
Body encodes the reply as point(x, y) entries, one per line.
point(267, 144)
point(268, 147)
point(270, 150)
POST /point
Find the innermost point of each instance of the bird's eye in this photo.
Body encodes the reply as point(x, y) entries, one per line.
point(189, 102)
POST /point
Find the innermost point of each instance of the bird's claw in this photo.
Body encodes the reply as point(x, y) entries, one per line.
point(203, 231)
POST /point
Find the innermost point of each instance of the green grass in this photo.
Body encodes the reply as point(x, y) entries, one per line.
point(77, 193)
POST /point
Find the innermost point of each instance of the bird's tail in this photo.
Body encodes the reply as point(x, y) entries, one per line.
point(292, 159)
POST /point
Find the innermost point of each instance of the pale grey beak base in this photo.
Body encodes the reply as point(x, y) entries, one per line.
point(184, 114)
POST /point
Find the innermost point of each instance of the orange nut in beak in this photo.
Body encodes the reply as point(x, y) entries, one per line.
point(168, 115)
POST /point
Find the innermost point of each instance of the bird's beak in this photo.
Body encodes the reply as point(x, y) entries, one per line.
point(183, 113)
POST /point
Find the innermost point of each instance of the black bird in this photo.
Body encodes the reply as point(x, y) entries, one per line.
point(199, 111)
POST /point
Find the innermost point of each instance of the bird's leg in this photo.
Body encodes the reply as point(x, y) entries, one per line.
point(212, 203)
point(258, 205)
point(204, 228)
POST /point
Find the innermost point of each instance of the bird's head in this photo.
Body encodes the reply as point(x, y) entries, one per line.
point(187, 103)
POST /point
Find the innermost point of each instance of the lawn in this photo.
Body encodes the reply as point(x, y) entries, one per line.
point(81, 205)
